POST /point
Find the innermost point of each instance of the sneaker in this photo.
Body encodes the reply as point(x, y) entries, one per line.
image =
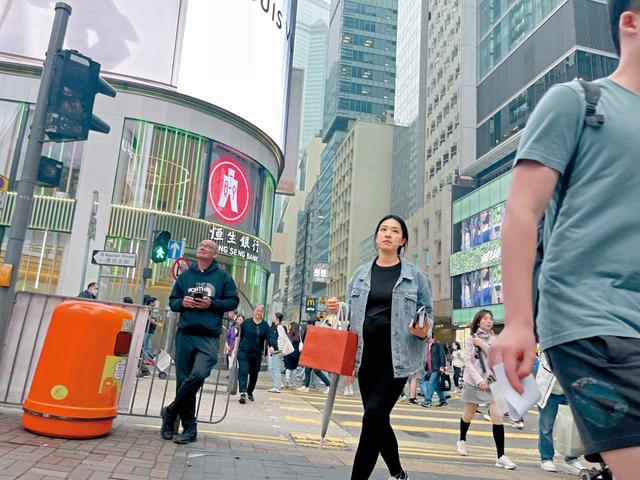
point(487, 417)
point(426, 404)
point(504, 462)
point(186, 437)
point(442, 404)
point(548, 466)
point(519, 425)
point(403, 398)
point(573, 466)
point(326, 390)
point(403, 476)
point(414, 401)
point(274, 390)
point(243, 398)
point(461, 448)
point(250, 397)
point(168, 429)
point(303, 389)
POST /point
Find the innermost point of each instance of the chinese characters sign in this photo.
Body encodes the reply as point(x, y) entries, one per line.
point(237, 244)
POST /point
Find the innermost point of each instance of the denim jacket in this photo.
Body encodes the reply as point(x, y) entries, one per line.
point(411, 291)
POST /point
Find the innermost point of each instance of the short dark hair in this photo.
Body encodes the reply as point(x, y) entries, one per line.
point(403, 226)
point(616, 9)
point(127, 300)
point(92, 284)
point(477, 318)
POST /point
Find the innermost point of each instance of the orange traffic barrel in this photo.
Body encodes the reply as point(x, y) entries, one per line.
point(74, 393)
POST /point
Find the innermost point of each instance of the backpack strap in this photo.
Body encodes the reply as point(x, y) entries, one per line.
point(591, 96)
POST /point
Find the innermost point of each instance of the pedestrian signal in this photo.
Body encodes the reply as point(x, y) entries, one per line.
point(160, 250)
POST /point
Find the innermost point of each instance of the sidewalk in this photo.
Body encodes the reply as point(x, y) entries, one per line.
point(134, 451)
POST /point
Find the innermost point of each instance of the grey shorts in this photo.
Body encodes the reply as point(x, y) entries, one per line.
point(601, 379)
point(472, 394)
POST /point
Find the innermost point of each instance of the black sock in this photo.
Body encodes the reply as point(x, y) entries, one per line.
point(498, 437)
point(464, 428)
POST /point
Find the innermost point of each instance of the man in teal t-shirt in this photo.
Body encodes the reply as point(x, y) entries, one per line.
point(589, 308)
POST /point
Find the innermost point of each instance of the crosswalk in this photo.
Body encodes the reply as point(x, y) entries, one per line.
point(439, 426)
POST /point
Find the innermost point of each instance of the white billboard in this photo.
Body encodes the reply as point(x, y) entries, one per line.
point(139, 39)
point(236, 55)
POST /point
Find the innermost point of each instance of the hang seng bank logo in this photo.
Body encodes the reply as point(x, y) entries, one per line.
point(229, 191)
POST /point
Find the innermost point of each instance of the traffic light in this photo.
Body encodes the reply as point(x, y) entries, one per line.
point(160, 250)
point(76, 82)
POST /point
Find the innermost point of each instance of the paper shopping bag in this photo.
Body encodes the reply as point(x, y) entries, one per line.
point(329, 350)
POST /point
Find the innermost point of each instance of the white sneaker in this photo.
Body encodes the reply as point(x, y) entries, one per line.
point(573, 467)
point(406, 477)
point(303, 389)
point(548, 466)
point(504, 462)
point(326, 390)
point(487, 417)
point(519, 425)
point(461, 448)
point(274, 390)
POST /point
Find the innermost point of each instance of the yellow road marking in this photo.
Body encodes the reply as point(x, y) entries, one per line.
point(411, 428)
point(281, 439)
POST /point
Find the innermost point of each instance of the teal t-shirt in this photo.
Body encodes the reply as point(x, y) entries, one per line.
point(590, 277)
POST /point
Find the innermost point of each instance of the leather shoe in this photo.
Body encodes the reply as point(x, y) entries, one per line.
point(167, 431)
point(186, 437)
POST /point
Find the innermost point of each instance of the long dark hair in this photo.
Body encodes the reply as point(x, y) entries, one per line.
point(294, 332)
point(403, 226)
point(279, 316)
point(477, 318)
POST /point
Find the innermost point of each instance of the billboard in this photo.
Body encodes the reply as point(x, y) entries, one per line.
point(237, 54)
point(482, 287)
point(140, 39)
point(482, 228)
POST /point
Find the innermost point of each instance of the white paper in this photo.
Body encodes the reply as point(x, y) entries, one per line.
point(163, 361)
point(517, 404)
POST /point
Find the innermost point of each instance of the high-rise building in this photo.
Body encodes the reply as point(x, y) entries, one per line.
point(361, 196)
point(360, 84)
point(524, 48)
point(407, 188)
point(310, 55)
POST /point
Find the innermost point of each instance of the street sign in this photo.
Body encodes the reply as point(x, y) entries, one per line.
point(113, 259)
point(175, 249)
point(179, 266)
point(311, 305)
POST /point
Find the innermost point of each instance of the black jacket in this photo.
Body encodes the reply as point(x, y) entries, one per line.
point(438, 358)
point(253, 336)
point(86, 294)
point(214, 283)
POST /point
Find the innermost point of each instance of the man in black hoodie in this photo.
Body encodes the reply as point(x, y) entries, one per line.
point(202, 295)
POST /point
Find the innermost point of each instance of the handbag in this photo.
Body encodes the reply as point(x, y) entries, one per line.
point(329, 350)
point(445, 382)
point(566, 438)
point(284, 344)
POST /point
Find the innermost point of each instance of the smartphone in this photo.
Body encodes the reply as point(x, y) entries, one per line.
point(419, 318)
point(198, 295)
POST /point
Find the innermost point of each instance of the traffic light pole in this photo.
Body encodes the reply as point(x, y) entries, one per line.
point(27, 184)
point(151, 227)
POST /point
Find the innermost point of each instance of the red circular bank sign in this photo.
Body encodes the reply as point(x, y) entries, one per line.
point(229, 190)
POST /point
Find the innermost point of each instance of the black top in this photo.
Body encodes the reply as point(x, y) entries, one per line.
point(376, 331)
point(253, 336)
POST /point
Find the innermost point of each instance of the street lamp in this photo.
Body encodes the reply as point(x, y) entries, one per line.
point(304, 256)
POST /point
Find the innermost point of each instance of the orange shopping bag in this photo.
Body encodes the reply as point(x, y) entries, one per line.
point(329, 350)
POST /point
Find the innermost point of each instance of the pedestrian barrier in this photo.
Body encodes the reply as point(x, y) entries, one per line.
point(139, 396)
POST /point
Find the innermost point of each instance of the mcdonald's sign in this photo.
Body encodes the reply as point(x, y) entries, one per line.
point(311, 305)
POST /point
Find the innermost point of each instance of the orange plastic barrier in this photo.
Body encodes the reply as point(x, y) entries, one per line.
point(74, 393)
point(330, 350)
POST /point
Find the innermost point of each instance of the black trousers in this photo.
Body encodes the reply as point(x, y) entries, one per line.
point(248, 369)
point(195, 358)
point(457, 373)
point(380, 391)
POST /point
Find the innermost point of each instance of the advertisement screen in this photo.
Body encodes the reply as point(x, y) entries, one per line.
point(482, 228)
point(236, 55)
point(138, 38)
point(482, 287)
point(240, 192)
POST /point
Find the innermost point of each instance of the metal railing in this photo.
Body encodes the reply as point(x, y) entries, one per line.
point(139, 395)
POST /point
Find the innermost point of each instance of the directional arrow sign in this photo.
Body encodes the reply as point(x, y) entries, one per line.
point(114, 259)
point(175, 249)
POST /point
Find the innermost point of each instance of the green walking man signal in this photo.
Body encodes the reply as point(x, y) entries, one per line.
point(160, 250)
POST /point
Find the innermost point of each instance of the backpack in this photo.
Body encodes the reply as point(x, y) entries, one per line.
point(592, 120)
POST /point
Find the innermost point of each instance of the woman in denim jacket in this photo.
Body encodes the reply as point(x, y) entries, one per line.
point(383, 297)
